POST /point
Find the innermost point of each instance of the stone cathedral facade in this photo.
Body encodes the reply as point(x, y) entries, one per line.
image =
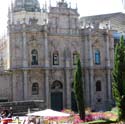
point(38, 57)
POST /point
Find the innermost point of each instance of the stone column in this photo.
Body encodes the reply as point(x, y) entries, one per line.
point(87, 88)
point(14, 86)
point(87, 82)
point(25, 85)
point(91, 69)
point(47, 90)
point(90, 52)
point(107, 50)
point(86, 46)
point(92, 89)
point(109, 84)
point(108, 71)
point(68, 85)
point(25, 63)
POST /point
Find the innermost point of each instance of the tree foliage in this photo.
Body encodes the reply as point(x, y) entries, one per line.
point(119, 78)
point(78, 89)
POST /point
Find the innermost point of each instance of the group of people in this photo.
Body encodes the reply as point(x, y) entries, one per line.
point(6, 113)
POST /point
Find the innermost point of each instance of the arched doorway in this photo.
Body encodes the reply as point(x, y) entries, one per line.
point(57, 95)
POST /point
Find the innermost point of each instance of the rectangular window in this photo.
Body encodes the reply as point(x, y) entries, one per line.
point(97, 57)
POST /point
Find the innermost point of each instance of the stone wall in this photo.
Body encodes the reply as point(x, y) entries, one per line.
point(22, 107)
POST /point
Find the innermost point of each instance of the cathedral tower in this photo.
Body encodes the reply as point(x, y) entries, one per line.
point(26, 28)
point(27, 5)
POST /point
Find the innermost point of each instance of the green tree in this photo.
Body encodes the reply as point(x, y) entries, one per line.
point(119, 78)
point(78, 89)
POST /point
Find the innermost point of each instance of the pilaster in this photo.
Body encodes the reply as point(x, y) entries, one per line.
point(108, 71)
point(87, 82)
point(68, 86)
point(25, 63)
point(47, 90)
point(25, 85)
point(91, 70)
point(14, 87)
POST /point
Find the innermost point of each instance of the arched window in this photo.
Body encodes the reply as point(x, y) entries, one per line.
point(56, 85)
point(35, 89)
point(34, 57)
point(98, 86)
point(97, 57)
point(75, 55)
point(56, 58)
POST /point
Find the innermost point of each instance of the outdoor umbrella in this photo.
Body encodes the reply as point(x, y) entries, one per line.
point(49, 113)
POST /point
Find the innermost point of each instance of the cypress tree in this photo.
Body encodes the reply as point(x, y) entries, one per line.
point(78, 89)
point(119, 79)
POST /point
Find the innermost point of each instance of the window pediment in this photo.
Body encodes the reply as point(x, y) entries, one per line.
point(33, 43)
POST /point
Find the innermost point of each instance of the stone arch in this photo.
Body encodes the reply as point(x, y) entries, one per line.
point(56, 85)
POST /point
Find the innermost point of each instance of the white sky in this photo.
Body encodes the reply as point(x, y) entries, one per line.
point(85, 8)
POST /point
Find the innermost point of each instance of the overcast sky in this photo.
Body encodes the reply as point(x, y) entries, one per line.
point(85, 8)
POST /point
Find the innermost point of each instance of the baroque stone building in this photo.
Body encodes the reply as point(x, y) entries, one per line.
point(39, 58)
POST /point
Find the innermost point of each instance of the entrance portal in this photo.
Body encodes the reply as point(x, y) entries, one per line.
point(56, 101)
point(57, 96)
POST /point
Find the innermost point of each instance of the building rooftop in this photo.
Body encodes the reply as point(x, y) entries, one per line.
point(27, 5)
point(101, 17)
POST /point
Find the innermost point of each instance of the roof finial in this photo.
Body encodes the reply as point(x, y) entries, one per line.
point(123, 2)
point(23, 3)
point(45, 5)
point(69, 4)
point(49, 3)
point(11, 5)
point(76, 5)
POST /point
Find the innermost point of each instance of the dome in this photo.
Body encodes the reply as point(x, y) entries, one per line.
point(27, 5)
